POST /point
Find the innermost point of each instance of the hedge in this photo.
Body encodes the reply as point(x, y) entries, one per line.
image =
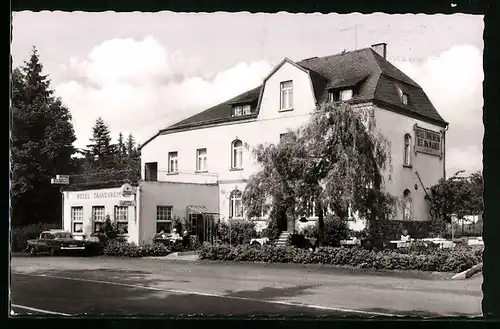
point(126, 249)
point(455, 260)
point(238, 231)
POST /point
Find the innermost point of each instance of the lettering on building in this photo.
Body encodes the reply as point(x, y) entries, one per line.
point(98, 195)
point(427, 141)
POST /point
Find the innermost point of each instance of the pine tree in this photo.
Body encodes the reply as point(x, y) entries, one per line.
point(133, 155)
point(121, 152)
point(102, 151)
point(130, 146)
point(42, 145)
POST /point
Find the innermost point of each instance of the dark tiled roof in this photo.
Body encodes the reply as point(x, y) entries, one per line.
point(220, 112)
point(374, 78)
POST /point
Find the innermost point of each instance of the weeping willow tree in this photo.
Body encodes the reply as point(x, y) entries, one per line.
point(336, 162)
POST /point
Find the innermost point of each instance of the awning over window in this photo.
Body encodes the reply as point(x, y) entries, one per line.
point(202, 210)
point(347, 82)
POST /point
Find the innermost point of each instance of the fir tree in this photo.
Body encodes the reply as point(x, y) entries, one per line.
point(42, 145)
point(121, 152)
point(102, 151)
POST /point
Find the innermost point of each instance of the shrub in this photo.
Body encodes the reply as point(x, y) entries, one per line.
point(298, 240)
point(239, 232)
point(392, 229)
point(177, 223)
point(454, 260)
point(21, 235)
point(272, 232)
point(336, 229)
point(125, 249)
point(194, 242)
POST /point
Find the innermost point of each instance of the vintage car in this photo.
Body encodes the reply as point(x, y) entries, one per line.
point(54, 241)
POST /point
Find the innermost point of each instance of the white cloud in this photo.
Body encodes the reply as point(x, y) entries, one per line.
point(453, 82)
point(136, 86)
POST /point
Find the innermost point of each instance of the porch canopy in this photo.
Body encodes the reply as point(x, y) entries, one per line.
point(202, 210)
point(202, 222)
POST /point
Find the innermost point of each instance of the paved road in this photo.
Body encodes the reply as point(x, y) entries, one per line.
point(104, 285)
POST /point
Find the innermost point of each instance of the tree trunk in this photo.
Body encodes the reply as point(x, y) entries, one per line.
point(321, 223)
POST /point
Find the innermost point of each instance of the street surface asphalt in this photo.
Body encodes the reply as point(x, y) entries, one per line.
point(65, 286)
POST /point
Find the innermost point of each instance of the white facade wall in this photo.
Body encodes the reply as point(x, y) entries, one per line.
point(107, 197)
point(266, 128)
point(178, 196)
point(430, 168)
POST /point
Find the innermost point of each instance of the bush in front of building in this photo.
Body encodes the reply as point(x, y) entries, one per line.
point(21, 235)
point(455, 260)
point(236, 232)
point(393, 229)
point(125, 249)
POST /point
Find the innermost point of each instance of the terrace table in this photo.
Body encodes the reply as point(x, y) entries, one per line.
point(443, 243)
point(349, 242)
point(401, 243)
point(261, 241)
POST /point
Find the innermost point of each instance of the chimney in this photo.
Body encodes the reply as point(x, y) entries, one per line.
point(381, 49)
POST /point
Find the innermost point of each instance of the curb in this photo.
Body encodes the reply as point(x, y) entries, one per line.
point(468, 273)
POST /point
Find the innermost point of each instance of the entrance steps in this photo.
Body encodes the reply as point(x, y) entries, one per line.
point(283, 239)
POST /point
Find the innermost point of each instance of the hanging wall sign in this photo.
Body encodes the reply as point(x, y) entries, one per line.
point(127, 190)
point(428, 141)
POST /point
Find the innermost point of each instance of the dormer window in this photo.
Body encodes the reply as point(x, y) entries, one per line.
point(239, 110)
point(345, 95)
point(404, 98)
point(340, 95)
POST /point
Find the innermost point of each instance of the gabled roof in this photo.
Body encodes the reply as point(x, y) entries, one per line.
point(374, 78)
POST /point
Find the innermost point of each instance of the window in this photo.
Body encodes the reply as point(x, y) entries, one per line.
point(235, 204)
point(77, 219)
point(311, 209)
point(239, 110)
point(201, 160)
point(407, 153)
point(151, 171)
point(247, 109)
point(404, 99)
point(98, 218)
point(332, 96)
point(286, 95)
point(121, 218)
point(172, 162)
point(340, 95)
point(163, 219)
point(346, 95)
point(407, 205)
point(402, 95)
point(237, 154)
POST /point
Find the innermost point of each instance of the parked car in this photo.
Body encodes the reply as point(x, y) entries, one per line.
point(54, 241)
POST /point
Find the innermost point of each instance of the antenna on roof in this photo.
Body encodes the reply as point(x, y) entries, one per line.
point(355, 28)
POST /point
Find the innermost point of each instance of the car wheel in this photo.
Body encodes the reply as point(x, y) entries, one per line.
point(32, 251)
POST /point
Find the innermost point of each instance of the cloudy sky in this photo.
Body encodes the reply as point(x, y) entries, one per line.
point(143, 72)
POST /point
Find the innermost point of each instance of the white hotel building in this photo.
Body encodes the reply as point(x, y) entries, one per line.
point(214, 147)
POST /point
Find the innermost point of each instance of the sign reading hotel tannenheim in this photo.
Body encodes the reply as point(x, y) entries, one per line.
point(98, 195)
point(427, 141)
